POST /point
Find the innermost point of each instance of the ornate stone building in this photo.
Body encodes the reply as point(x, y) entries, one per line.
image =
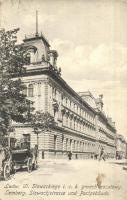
point(121, 147)
point(82, 127)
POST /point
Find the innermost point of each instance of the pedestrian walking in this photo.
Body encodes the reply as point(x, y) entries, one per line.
point(43, 154)
point(69, 155)
point(95, 156)
point(76, 156)
point(102, 154)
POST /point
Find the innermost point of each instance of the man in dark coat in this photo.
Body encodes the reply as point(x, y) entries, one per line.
point(69, 155)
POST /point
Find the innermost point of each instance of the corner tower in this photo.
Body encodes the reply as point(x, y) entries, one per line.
point(37, 50)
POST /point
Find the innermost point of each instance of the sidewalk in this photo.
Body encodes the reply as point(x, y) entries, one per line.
point(122, 161)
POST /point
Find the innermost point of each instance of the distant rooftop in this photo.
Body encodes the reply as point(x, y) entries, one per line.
point(86, 93)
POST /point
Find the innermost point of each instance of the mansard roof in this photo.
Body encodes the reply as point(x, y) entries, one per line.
point(36, 37)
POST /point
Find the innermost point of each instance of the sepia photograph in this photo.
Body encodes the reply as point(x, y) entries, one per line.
point(63, 99)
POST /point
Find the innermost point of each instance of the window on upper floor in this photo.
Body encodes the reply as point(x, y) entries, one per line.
point(62, 98)
point(83, 113)
point(77, 110)
point(80, 111)
point(70, 122)
point(39, 89)
point(70, 104)
point(30, 90)
point(66, 101)
point(30, 54)
point(25, 91)
point(54, 92)
point(27, 58)
point(66, 120)
point(74, 107)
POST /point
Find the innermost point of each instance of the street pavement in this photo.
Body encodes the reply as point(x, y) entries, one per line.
point(71, 180)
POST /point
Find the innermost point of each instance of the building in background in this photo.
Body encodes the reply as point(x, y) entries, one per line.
point(121, 147)
point(82, 126)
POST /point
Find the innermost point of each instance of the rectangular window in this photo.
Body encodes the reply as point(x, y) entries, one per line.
point(70, 123)
point(66, 120)
point(25, 91)
point(66, 144)
point(30, 90)
point(39, 89)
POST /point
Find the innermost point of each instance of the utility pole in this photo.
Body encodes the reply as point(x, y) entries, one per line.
point(36, 23)
point(0, 14)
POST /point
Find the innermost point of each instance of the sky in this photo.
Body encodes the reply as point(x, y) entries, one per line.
point(91, 39)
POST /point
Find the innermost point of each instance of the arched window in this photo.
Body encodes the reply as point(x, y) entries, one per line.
point(27, 58)
point(30, 90)
point(25, 91)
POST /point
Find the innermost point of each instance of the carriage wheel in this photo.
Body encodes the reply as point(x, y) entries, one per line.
point(29, 165)
point(6, 172)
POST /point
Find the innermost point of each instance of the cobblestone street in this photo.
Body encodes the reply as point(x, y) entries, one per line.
point(63, 179)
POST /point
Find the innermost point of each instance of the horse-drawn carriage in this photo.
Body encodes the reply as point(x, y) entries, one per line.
point(24, 158)
point(11, 160)
point(18, 155)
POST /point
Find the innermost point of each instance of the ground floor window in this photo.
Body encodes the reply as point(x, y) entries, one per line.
point(55, 142)
point(70, 145)
point(66, 144)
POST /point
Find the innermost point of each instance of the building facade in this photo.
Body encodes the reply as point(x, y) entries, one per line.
point(121, 147)
point(82, 127)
